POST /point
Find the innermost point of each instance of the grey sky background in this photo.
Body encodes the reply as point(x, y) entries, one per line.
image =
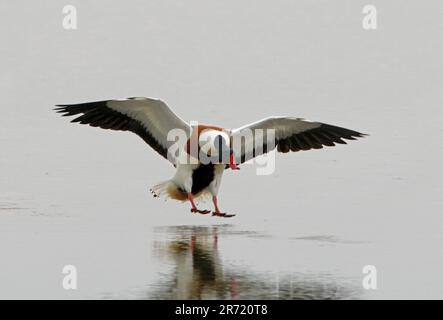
point(70, 194)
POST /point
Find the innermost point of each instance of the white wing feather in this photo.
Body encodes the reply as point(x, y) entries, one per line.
point(151, 119)
point(291, 134)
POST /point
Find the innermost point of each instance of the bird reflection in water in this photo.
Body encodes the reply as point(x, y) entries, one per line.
point(200, 273)
point(198, 270)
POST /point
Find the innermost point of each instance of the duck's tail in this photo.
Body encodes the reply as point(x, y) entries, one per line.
point(169, 190)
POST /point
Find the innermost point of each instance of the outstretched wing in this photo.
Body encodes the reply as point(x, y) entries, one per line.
point(151, 119)
point(290, 134)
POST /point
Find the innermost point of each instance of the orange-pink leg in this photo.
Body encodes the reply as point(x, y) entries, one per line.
point(194, 207)
point(232, 164)
point(233, 288)
point(217, 211)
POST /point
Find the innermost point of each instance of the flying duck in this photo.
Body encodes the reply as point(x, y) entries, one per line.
point(201, 153)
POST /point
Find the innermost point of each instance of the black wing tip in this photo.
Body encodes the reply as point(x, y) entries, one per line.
point(324, 136)
point(79, 108)
point(63, 110)
point(59, 108)
point(62, 106)
point(344, 132)
point(357, 135)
